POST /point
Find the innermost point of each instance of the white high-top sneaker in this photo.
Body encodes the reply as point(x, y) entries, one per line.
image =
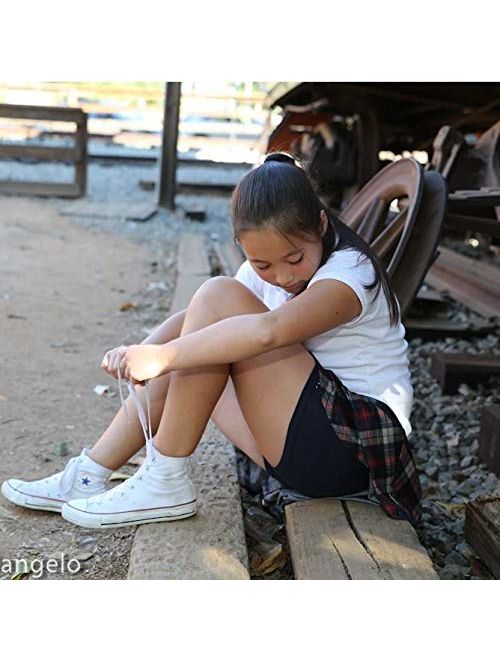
point(159, 491)
point(81, 477)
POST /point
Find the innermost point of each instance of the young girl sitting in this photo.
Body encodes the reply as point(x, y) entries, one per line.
point(300, 359)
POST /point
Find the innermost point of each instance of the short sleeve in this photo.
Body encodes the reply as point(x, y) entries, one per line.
point(247, 276)
point(345, 267)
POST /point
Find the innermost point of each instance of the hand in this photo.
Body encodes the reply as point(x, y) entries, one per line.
point(111, 360)
point(142, 362)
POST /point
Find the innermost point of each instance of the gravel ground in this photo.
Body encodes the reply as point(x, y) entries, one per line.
point(445, 428)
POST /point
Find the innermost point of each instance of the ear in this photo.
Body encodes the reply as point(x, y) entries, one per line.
point(324, 222)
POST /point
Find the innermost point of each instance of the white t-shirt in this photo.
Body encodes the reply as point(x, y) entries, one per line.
point(367, 354)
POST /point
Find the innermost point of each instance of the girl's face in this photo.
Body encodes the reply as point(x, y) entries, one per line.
point(281, 261)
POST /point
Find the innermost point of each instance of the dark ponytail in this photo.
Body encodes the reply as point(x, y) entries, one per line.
point(279, 194)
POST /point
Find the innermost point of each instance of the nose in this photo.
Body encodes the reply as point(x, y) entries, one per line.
point(284, 278)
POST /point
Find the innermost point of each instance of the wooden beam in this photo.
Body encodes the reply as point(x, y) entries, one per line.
point(230, 258)
point(43, 189)
point(482, 531)
point(451, 369)
point(50, 113)
point(67, 154)
point(168, 153)
point(440, 328)
point(475, 284)
point(489, 438)
point(205, 188)
point(334, 540)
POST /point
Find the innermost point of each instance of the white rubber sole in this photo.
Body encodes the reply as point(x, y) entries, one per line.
point(107, 520)
point(30, 501)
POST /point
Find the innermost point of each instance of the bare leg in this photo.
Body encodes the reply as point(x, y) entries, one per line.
point(268, 386)
point(192, 394)
point(123, 438)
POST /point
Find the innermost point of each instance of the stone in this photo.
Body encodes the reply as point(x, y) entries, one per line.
point(466, 487)
point(454, 572)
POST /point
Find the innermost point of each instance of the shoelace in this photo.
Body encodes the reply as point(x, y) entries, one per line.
point(145, 422)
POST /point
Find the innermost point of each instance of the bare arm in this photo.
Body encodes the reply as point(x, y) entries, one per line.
point(168, 330)
point(325, 305)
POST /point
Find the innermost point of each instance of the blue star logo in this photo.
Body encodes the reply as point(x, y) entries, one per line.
point(85, 481)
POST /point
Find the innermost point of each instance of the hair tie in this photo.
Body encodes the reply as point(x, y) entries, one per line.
point(280, 157)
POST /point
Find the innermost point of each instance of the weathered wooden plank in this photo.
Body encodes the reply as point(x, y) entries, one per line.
point(193, 188)
point(314, 528)
point(38, 188)
point(334, 540)
point(479, 273)
point(229, 257)
point(41, 112)
point(482, 531)
point(489, 438)
point(66, 154)
point(438, 328)
point(192, 258)
point(475, 284)
point(392, 544)
point(451, 369)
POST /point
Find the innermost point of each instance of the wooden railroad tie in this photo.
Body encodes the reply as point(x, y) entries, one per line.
point(452, 369)
point(334, 540)
point(489, 438)
point(482, 531)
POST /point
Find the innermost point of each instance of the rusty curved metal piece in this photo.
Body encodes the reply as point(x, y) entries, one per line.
point(401, 179)
point(424, 239)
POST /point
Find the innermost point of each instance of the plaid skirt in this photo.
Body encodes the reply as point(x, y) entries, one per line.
point(372, 431)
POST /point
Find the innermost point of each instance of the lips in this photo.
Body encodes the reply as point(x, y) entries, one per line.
point(293, 289)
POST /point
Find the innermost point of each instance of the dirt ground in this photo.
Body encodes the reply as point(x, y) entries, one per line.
point(61, 289)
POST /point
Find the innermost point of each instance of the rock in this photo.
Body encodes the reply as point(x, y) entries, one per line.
point(466, 487)
point(85, 541)
point(266, 558)
point(464, 549)
point(61, 449)
point(431, 471)
point(454, 572)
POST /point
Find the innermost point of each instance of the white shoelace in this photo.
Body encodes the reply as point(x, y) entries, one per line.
point(144, 420)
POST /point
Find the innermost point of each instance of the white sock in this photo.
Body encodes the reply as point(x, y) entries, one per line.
point(176, 462)
point(88, 463)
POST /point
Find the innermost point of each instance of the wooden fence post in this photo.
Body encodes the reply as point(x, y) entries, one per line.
point(168, 155)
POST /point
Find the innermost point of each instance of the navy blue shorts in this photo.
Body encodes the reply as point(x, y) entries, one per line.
point(314, 461)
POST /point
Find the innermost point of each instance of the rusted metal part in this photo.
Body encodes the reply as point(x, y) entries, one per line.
point(386, 240)
point(414, 232)
point(457, 222)
point(484, 197)
point(421, 252)
point(373, 221)
point(401, 179)
point(446, 147)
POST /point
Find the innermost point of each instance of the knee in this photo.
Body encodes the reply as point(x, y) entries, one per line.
point(218, 288)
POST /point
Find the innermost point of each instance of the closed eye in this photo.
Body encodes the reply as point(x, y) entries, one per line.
point(297, 261)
